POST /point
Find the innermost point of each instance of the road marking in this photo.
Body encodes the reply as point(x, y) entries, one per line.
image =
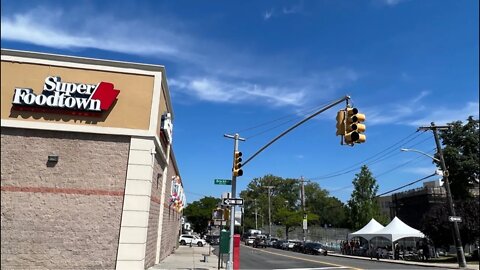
point(337, 266)
point(319, 268)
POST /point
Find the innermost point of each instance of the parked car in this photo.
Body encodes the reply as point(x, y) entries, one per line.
point(278, 244)
point(271, 242)
point(260, 242)
point(191, 239)
point(315, 249)
point(249, 240)
point(213, 239)
point(298, 247)
point(288, 245)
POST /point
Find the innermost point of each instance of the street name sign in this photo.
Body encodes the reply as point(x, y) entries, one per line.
point(454, 218)
point(223, 182)
point(232, 201)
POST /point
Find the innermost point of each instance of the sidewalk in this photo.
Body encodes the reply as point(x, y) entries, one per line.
point(186, 257)
point(438, 265)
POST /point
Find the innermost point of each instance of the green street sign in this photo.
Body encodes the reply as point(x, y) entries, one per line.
point(223, 182)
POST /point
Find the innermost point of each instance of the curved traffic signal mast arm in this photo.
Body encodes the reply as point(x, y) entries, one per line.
point(347, 98)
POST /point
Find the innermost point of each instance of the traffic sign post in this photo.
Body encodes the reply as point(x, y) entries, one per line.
point(223, 182)
point(233, 201)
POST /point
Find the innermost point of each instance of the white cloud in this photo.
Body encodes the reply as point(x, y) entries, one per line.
point(443, 115)
point(221, 91)
point(422, 171)
point(290, 10)
point(390, 3)
point(243, 76)
point(268, 14)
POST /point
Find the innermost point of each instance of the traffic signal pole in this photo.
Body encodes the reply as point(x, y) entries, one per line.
point(236, 138)
point(345, 98)
point(456, 232)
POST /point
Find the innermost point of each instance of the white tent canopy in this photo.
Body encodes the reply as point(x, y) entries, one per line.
point(367, 230)
point(396, 230)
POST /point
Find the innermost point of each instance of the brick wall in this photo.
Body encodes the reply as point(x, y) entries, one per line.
point(171, 219)
point(65, 216)
point(152, 233)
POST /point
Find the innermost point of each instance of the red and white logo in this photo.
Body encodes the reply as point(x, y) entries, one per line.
point(65, 97)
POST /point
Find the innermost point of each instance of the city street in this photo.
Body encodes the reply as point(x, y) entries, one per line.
point(270, 258)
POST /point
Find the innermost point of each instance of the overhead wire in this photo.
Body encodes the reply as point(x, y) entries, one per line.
point(382, 155)
point(289, 117)
point(409, 184)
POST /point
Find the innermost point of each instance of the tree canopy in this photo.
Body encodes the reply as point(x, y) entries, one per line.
point(461, 154)
point(362, 204)
point(286, 206)
point(198, 213)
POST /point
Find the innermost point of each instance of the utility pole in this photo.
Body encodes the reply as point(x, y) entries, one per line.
point(458, 242)
point(303, 208)
point(269, 212)
point(236, 138)
point(256, 213)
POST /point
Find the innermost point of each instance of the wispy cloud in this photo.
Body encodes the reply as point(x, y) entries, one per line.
point(389, 3)
point(415, 113)
point(422, 171)
point(203, 71)
point(286, 10)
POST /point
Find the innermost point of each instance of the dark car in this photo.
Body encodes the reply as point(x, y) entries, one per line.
point(213, 239)
point(278, 244)
point(298, 247)
point(315, 249)
point(260, 242)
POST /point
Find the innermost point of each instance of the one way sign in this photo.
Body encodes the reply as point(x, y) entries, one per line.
point(232, 201)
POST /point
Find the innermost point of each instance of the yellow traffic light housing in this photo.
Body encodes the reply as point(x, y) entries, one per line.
point(354, 127)
point(226, 214)
point(237, 164)
point(341, 123)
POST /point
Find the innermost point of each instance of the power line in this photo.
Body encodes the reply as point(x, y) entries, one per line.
point(409, 184)
point(399, 166)
point(384, 154)
point(290, 118)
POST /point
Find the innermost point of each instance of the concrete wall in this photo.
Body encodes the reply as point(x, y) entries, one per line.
point(62, 216)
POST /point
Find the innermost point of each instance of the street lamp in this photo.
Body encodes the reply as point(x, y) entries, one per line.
point(458, 242)
point(418, 151)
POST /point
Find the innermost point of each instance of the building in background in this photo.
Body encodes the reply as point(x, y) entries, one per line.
point(89, 178)
point(411, 205)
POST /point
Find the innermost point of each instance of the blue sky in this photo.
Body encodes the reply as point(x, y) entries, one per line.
point(235, 65)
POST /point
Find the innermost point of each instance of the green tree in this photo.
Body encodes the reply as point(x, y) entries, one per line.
point(461, 154)
point(198, 213)
point(330, 210)
point(436, 226)
point(362, 204)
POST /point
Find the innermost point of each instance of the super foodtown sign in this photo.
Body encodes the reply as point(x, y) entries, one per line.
point(66, 97)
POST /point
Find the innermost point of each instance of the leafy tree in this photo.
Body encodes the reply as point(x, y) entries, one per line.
point(285, 202)
point(330, 210)
point(461, 154)
point(362, 204)
point(198, 213)
point(436, 226)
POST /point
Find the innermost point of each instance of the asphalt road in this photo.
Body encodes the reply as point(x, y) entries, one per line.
point(270, 258)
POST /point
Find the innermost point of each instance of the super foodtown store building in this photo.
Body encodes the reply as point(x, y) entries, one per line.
point(88, 175)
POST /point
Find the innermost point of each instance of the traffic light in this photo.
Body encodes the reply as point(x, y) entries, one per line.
point(354, 128)
point(217, 214)
point(226, 214)
point(341, 122)
point(237, 164)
